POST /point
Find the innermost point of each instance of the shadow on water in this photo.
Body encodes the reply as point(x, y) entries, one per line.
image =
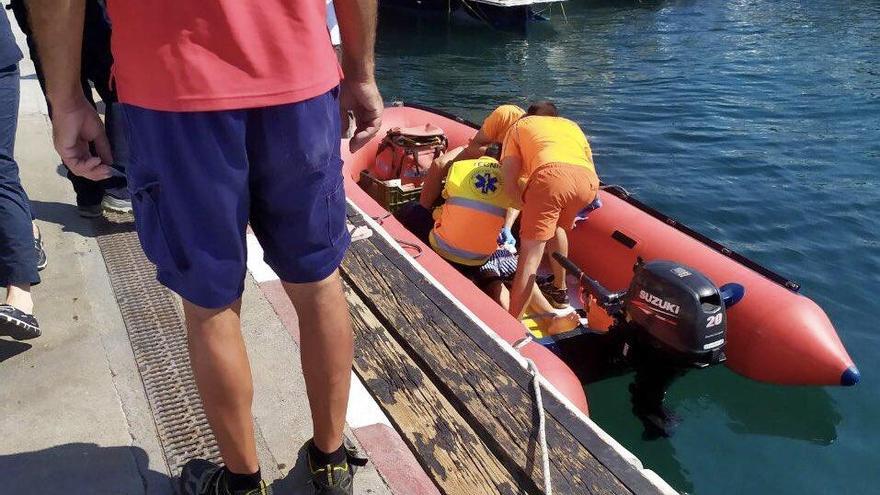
point(750, 408)
point(764, 409)
point(82, 469)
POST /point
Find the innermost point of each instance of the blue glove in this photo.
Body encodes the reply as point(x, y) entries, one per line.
point(506, 237)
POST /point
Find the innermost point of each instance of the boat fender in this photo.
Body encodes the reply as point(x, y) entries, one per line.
point(731, 294)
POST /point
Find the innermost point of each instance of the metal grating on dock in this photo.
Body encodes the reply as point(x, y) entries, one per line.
point(156, 330)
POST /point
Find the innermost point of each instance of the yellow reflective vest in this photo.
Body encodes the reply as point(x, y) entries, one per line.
point(467, 225)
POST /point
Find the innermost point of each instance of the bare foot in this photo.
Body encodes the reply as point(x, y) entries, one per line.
point(563, 323)
point(19, 297)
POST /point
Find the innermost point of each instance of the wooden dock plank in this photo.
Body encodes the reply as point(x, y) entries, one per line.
point(495, 402)
point(455, 457)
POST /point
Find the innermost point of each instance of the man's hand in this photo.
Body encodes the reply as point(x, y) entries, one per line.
point(363, 100)
point(74, 126)
point(58, 29)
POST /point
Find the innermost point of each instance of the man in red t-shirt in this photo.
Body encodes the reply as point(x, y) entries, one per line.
point(233, 113)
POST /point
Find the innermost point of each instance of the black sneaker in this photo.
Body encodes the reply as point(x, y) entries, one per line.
point(558, 298)
point(116, 200)
point(42, 259)
point(90, 211)
point(544, 280)
point(18, 324)
point(201, 477)
point(335, 479)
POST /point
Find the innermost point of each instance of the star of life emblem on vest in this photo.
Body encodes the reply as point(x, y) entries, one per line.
point(486, 183)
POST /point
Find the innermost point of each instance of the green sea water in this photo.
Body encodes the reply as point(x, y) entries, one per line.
point(756, 123)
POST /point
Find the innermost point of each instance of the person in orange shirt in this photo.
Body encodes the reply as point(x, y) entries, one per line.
point(493, 130)
point(464, 231)
point(548, 169)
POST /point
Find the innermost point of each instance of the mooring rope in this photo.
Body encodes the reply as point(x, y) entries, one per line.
point(539, 403)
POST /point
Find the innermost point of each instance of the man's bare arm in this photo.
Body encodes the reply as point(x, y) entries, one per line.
point(432, 187)
point(357, 27)
point(58, 28)
point(476, 147)
point(510, 218)
point(510, 168)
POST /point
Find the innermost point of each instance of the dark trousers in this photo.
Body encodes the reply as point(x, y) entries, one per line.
point(18, 258)
point(97, 61)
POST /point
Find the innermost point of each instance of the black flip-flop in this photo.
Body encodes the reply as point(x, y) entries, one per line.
point(18, 324)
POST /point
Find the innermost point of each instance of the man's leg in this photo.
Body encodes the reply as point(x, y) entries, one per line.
point(191, 224)
point(557, 293)
point(538, 219)
point(524, 286)
point(327, 353)
point(499, 293)
point(19, 296)
point(97, 66)
point(298, 213)
point(223, 376)
point(530, 255)
point(18, 257)
point(558, 244)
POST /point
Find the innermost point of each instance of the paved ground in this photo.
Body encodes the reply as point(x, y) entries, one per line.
point(73, 414)
point(72, 405)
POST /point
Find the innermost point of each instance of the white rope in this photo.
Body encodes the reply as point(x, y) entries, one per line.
point(539, 403)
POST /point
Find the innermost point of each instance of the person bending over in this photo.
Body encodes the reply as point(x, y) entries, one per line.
point(556, 289)
point(464, 230)
point(548, 167)
point(493, 131)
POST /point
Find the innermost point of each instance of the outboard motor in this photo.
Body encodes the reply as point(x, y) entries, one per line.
point(678, 311)
point(669, 320)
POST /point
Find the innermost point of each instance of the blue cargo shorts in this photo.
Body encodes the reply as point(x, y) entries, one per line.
point(198, 178)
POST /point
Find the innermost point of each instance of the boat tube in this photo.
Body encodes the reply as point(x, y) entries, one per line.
point(774, 334)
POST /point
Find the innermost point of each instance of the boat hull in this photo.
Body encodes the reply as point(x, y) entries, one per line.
point(421, 6)
point(514, 18)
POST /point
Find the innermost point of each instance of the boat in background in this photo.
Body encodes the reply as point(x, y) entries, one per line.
point(505, 15)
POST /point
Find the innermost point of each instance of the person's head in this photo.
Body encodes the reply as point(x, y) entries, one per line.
point(493, 150)
point(544, 108)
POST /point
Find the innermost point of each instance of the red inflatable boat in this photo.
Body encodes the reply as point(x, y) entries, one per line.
point(774, 334)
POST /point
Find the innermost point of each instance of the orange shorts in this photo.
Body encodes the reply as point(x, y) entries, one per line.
point(555, 193)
